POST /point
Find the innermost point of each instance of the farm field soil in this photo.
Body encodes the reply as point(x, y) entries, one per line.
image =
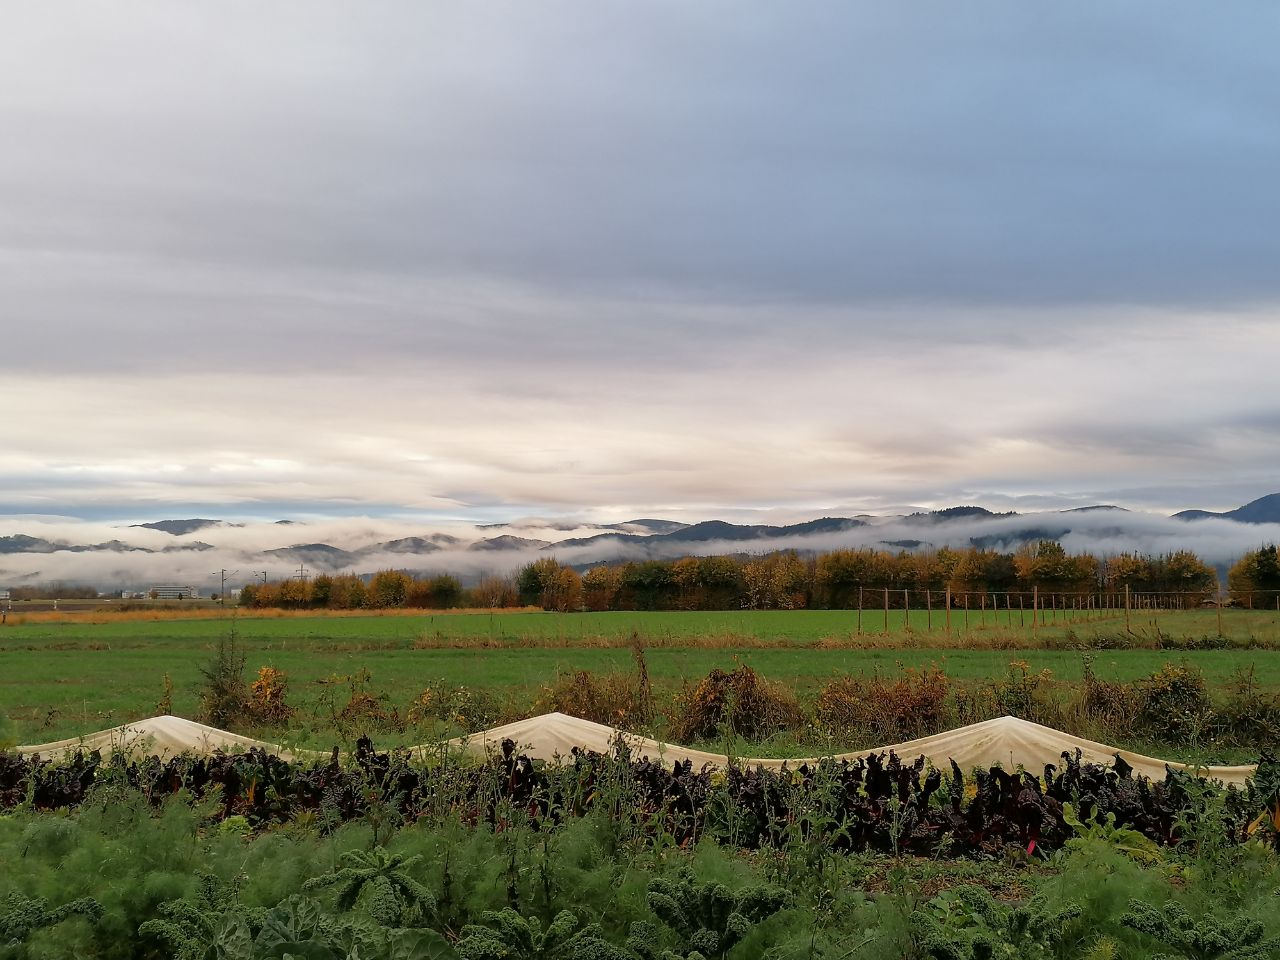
point(63, 679)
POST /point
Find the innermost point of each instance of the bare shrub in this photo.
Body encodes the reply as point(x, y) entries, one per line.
point(267, 697)
point(1175, 704)
point(1108, 704)
point(363, 710)
point(914, 704)
point(454, 704)
point(739, 701)
point(1250, 716)
point(1018, 693)
point(618, 699)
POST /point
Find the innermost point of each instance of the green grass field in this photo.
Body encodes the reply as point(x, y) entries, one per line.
point(793, 626)
point(61, 679)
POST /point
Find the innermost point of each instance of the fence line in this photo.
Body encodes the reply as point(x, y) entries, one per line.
point(1036, 609)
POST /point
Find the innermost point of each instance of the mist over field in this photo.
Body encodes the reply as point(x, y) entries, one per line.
point(119, 557)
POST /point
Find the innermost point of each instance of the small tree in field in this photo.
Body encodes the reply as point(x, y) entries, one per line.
point(224, 698)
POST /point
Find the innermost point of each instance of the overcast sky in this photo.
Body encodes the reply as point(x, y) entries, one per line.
point(489, 260)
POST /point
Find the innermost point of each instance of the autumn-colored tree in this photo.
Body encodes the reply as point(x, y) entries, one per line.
point(839, 576)
point(1049, 567)
point(347, 592)
point(776, 581)
point(565, 593)
point(935, 570)
point(600, 586)
point(547, 584)
point(1188, 576)
point(649, 585)
point(534, 578)
point(433, 593)
point(1125, 570)
point(687, 574)
point(293, 594)
point(720, 579)
point(1254, 573)
point(388, 588)
point(492, 593)
point(321, 590)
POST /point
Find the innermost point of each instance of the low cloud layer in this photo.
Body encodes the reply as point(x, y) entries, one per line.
point(243, 550)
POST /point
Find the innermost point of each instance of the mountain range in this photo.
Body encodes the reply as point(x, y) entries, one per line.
point(1263, 510)
point(647, 537)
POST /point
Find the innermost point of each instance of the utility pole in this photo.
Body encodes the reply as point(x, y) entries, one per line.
point(302, 572)
point(222, 592)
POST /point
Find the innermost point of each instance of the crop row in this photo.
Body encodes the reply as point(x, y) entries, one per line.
point(874, 804)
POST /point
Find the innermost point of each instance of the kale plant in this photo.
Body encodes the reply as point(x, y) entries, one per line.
point(21, 916)
point(380, 880)
point(967, 923)
point(506, 935)
point(1200, 938)
point(708, 919)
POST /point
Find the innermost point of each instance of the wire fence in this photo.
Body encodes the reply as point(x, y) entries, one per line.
point(963, 609)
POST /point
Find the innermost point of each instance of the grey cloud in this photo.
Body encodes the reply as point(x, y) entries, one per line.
point(715, 256)
point(831, 153)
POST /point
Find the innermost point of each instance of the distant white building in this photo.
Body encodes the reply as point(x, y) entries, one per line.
point(172, 591)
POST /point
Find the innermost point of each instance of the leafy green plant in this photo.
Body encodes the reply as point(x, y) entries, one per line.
point(1102, 829)
point(214, 926)
point(381, 880)
point(1265, 792)
point(967, 923)
point(21, 916)
point(209, 925)
point(1200, 938)
point(506, 935)
point(708, 919)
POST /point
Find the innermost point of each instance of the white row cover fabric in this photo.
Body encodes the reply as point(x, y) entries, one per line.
point(1009, 741)
point(1005, 740)
point(166, 736)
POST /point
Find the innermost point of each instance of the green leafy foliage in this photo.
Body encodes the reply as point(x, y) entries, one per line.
point(967, 923)
point(707, 919)
point(382, 882)
point(507, 934)
point(21, 916)
point(216, 927)
point(1205, 937)
point(1102, 829)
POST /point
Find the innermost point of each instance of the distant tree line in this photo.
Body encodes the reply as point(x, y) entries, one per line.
point(54, 591)
point(845, 579)
point(385, 589)
point(789, 580)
